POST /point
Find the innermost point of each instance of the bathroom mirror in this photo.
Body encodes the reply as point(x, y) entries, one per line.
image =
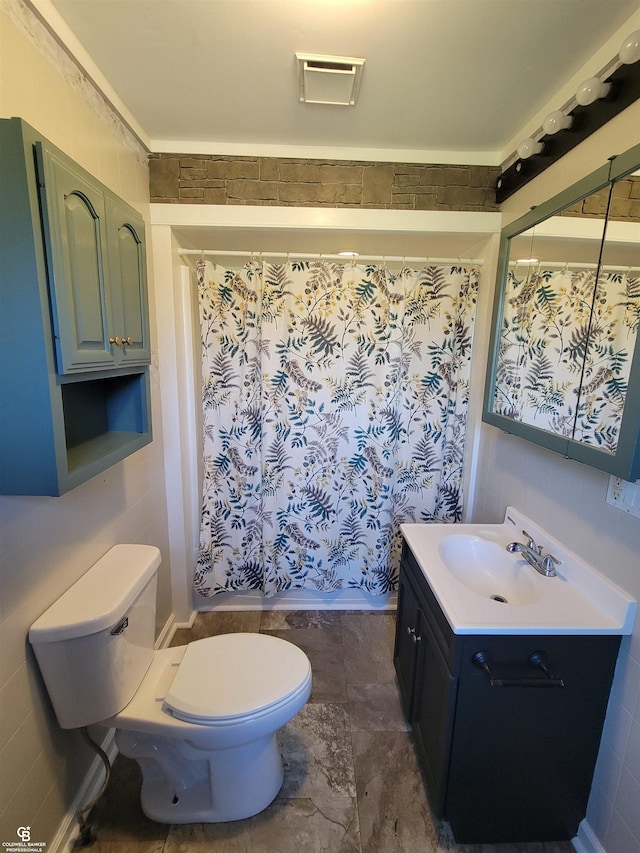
point(562, 369)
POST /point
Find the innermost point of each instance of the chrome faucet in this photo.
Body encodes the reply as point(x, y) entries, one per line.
point(545, 564)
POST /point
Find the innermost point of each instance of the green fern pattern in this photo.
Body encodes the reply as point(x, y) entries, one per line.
point(334, 410)
point(565, 351)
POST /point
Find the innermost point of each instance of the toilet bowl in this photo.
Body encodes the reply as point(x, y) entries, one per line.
point(200, 719)
point(202, 726)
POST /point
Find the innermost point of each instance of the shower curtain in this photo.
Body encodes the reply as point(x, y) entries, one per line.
point(334, 406)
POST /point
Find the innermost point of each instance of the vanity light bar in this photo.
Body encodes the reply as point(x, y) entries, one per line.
point(623, 89)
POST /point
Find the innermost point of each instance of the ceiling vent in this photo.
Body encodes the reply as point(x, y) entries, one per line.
point(328, 79)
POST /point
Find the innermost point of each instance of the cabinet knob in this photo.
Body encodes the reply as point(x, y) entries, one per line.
point(412, 633)
point(127, 341)
point(117, 341)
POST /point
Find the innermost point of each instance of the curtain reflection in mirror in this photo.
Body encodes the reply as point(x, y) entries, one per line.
point(558, 328)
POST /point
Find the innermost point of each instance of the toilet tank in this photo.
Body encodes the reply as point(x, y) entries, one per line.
point(95, 643)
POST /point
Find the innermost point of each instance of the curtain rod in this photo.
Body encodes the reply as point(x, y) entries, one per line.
point(573, 265)
point(314, 256)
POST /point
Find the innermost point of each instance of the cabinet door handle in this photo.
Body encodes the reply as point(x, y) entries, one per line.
point(412, 633)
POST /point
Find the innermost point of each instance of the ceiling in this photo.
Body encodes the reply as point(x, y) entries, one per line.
point(458, 78)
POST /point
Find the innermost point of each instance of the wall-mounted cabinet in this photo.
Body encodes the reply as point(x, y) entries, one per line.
point(73, 320)
point(96, 261)
point(565, 346)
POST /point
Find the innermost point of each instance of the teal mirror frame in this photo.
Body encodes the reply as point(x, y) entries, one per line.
point(625, 462)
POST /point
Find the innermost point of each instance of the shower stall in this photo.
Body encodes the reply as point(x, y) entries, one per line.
point(341, 397)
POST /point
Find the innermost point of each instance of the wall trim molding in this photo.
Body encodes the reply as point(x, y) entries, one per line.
point(586, 840)
point(324, 152)
point(301, 218)
point(298, 599)
point(41, 24)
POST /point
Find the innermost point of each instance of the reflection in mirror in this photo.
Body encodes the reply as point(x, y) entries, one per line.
point(614, 323)
point(565, 348)
point(546, 320)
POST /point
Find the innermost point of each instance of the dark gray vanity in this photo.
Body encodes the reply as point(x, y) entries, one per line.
point(507, 722)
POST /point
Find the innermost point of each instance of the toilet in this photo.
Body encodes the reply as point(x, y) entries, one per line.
point(200, 719)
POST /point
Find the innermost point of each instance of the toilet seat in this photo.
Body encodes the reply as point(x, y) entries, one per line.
point(228, 677)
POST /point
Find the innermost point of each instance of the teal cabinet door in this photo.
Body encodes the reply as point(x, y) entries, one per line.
point(71, 405)
point(127, 258)
point(74, 219)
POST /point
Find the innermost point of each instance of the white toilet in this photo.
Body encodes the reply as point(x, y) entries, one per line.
point(200, 719)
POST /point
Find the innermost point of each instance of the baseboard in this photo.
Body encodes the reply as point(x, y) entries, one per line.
point(298, 599)
point(188, 623)
point(170, 627)
point(68, 831)
point(586, 840)
point(166, 634)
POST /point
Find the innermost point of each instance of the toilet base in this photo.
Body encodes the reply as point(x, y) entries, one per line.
point(183, 784)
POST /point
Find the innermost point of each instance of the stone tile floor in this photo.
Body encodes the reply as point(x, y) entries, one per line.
point(352, 782)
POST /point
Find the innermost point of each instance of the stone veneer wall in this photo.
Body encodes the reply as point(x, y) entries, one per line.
point(625, 202)
point(212, 179)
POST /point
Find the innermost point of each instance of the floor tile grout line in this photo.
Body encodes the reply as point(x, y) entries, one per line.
point(353, 759)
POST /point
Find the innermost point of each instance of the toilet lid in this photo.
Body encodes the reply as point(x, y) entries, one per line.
point(231, 675)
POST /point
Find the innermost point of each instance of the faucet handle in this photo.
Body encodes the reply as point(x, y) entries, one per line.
point(532, 542)
point(549, 564)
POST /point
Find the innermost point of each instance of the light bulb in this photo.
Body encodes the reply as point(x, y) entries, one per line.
point(529, 147)
point(590, 90)
point(556, 121)
point(630, 50)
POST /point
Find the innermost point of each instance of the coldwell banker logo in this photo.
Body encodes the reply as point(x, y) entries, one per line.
point(24, 843)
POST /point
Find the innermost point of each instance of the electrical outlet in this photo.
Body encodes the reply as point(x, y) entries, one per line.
point(624, 496)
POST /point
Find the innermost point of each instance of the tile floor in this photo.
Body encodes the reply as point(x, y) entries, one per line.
point(352, 782)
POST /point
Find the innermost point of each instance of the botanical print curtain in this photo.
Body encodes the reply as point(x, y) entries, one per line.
point(566, 349)
point(334, 403)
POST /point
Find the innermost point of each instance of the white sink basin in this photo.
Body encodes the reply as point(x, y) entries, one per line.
point(484, 589)
point(488, 569)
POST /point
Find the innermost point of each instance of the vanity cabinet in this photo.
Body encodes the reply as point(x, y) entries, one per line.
point(75, 398)
point(507, 727)
point(427, 684)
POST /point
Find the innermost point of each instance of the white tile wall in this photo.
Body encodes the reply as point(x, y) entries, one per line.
point(47, 543)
